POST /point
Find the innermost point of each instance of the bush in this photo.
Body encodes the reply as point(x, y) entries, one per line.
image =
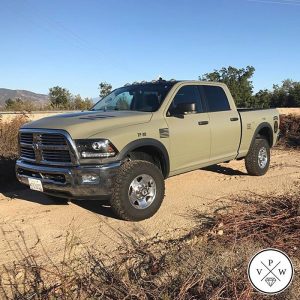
point(20, 105)
point(9, 152)
point(289, 131)
point(9, 136)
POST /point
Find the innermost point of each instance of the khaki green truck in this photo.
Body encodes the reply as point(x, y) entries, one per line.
point(139, 135)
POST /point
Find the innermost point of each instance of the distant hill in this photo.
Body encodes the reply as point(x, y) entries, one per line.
point(22, 94)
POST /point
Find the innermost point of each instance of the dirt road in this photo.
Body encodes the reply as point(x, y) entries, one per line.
point(45, 223)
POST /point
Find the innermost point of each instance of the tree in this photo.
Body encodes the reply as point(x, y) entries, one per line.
point(237, 80)
point(81, 104)
point(262, 99)
point(9, 103)
point(18, 105)
point(105, 89)
point(78, 102)
point(286, 95)
point(60, 98)
point(88, 103)
point(295, 95)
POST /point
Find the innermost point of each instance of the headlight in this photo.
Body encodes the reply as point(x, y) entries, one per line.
point(95, 148)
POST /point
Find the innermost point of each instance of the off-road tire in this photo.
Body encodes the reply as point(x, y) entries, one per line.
point(120, 200)
point(251, 160)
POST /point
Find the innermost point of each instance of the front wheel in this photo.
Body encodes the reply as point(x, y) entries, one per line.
point(138, 191)
point(257, 160)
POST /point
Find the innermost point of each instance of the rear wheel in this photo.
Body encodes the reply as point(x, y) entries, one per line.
point(257, 160)
point(138, 190)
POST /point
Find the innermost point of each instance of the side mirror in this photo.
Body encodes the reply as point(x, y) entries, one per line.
point(185, 108)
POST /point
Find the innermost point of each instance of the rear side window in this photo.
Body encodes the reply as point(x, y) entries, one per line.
point(215, 98)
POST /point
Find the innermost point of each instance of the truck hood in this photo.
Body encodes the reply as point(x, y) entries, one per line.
point(82, 125)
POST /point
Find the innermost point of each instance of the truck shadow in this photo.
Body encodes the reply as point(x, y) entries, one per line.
point(24, 193)
point(224, 170)
point(100, 207)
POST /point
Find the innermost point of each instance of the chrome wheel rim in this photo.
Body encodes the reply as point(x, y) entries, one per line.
point(262, 157)
point(142, 191)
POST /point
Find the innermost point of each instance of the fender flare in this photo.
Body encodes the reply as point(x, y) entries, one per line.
point(260, 127)
point(144, 143)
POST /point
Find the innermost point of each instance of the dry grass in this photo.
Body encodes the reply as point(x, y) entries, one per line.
point(289, 131)
point(9, 151)
point(272, 221)
point(210, 262)
point(9, 136)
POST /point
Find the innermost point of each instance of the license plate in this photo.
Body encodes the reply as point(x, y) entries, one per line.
point(35, 184)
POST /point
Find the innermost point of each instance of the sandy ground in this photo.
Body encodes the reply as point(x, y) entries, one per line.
point(45, 223)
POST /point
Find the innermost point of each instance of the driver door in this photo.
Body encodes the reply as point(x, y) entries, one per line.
point(190, 133)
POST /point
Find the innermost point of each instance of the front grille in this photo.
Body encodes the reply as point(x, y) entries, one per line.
point(53, 139)
point(26, 138)
point(46, 148)
point(27, 153)
point(56, 155)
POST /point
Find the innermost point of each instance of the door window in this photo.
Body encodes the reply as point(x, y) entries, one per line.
point(187, 94)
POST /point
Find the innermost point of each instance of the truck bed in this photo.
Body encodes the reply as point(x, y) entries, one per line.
point(251, 119)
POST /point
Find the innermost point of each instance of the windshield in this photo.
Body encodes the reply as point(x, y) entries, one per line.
point(143, 97)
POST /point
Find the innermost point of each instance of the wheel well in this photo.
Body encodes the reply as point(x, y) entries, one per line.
point(266, 133)
point(154, 155)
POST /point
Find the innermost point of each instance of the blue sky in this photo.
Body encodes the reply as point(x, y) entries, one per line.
point(77, 44)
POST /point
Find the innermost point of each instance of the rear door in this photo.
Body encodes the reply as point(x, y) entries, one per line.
point(189, 134)
point(224, 123)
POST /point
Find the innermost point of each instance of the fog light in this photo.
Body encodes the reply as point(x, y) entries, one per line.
point(90, 178)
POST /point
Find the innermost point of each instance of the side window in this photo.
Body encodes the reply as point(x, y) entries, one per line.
point(215, 98)
point(187, 94)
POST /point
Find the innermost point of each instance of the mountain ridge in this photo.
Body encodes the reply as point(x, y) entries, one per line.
point(23, 95)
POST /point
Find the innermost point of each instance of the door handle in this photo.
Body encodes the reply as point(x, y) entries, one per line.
point(234, 119)
point(202, 122)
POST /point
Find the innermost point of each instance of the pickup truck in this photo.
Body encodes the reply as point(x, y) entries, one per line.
point(137, 136)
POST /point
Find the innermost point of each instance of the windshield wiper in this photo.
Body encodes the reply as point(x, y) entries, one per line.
point(100, 109)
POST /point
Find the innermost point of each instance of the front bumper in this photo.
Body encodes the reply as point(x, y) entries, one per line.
point(67, 181)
